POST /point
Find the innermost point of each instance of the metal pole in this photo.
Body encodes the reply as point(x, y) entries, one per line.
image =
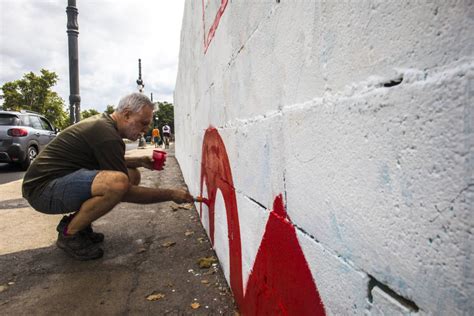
point(72, 34)
point(140, 83)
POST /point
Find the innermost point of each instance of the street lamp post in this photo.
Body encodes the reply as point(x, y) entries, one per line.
point(72, 34)
point(140, 83)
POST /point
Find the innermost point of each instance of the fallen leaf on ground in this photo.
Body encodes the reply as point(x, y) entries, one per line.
point(186, 206)
point(206, 262)
point(188, 233)
point(141, 250)
point(195, 305)
point(209, 272)
point(3, 288)
point(168, 244)
point(201, 239)
point(205, 281)
point(174, 208)
point(155, 297)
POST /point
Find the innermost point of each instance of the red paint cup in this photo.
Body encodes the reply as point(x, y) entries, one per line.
point(159, 158)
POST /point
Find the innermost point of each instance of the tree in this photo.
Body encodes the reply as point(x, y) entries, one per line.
point(88, 113)
point(110, 109)
point(54, 111)
point(33, 92)
point(165, 115)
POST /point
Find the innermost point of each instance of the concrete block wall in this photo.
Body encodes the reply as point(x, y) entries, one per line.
point(358, 116)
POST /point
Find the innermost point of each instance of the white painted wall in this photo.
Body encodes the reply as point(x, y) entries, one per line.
point(378, 180)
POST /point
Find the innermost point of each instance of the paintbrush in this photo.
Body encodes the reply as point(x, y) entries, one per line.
point(201, 199)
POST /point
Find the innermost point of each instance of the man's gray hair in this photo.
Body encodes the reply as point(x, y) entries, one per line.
point(134, 102)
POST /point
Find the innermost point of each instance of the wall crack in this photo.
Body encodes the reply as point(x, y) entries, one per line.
point(373, 282)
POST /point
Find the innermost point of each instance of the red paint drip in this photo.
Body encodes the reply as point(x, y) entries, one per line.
point(281, 282)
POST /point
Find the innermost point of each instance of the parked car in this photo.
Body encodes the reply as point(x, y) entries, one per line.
point(23, 135)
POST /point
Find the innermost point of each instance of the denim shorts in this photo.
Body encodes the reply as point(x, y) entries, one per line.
point(66, 194)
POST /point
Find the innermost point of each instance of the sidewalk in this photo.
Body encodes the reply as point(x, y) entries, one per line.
point(150, 266)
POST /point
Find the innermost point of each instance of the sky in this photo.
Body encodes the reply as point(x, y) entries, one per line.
point(113, 34)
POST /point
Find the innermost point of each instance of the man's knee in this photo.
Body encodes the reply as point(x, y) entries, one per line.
point(110, 182)
point(134, 176)
point(120, 183)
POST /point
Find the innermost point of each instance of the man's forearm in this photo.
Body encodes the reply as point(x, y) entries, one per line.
point(143, 195)
point(134, 162)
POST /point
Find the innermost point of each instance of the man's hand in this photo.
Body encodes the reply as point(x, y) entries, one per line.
point(181, 196)
point(147, 162)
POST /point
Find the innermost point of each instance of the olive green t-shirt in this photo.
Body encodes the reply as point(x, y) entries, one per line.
point(93, 144)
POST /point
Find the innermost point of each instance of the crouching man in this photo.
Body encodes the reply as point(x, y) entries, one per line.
point(84, 171)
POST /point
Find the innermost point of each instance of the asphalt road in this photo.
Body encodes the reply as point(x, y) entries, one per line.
point(9, 173)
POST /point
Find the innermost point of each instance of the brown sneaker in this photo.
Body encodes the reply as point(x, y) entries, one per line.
point(93, 236)
point(79, 246)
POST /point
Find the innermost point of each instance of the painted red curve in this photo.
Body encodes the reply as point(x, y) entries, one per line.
point(216, 174)
point(281, 282)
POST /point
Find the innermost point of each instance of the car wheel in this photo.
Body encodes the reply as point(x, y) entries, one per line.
point(30, 156)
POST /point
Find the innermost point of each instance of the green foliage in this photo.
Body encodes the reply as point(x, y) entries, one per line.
point(54, 110)
point(12, 96)
point(33, 92)
point(110, 109)
point(165, 115)
point(88, 113)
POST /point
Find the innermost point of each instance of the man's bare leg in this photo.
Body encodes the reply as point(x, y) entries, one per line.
point(134, 176)
point(112, 187)
point(107, 190)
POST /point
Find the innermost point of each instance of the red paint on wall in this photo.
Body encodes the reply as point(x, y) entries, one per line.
point(280, 282)
point(216, 175)
point(209, 35)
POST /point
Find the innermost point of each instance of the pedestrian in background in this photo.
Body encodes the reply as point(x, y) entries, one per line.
point(155, 134)
point(166, 135)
